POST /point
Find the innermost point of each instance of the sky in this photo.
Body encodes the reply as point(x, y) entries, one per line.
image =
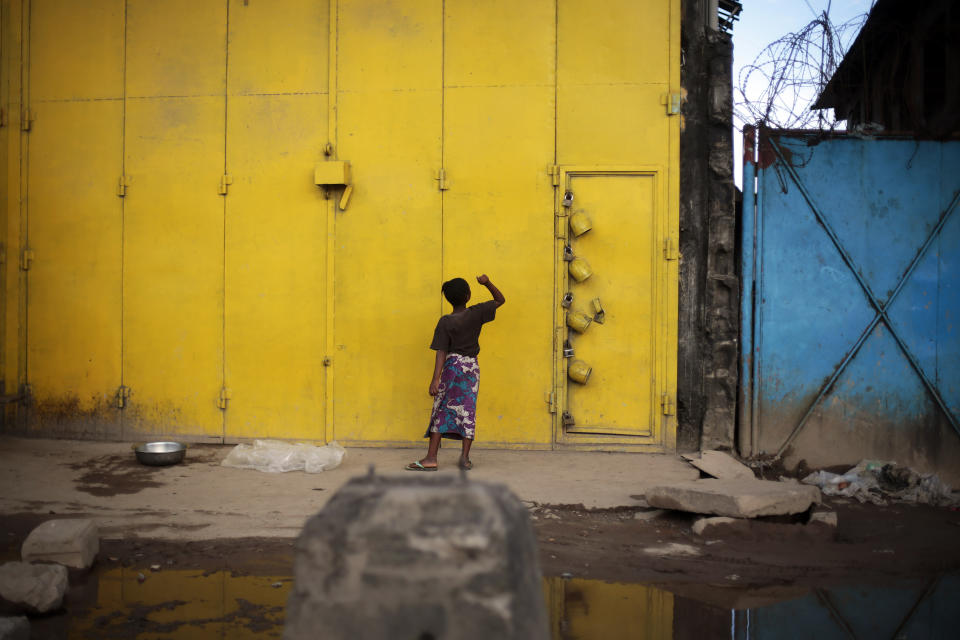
point(763, 21)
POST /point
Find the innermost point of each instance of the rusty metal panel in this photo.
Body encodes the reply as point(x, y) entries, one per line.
point(497, 213)
point(854, 349)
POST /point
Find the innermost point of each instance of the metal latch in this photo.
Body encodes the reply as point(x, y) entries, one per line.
point(568, 253)
point(122, 394)
point(666, 403)
point(598, 314)
point(26, 259)
point(568, 420)
point(224, 398)
point(567, 349)
point(670, 251)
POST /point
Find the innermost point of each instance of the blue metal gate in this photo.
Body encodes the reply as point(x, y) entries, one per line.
point(851, 300)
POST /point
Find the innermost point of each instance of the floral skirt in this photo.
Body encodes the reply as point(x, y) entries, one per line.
point(454, 412)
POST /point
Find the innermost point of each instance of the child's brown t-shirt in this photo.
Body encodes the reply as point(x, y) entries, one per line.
point(460, 332)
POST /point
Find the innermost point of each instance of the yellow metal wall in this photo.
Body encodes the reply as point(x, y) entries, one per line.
point(171, 268)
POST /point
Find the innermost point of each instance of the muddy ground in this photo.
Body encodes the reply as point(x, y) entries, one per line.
point(871, 544)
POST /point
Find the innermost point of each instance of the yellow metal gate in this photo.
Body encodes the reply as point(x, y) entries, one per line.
point(186, 276)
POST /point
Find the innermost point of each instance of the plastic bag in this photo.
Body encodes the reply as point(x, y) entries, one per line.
point(276, 456)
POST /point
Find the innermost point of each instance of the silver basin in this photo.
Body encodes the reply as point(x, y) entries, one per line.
point(160, 454)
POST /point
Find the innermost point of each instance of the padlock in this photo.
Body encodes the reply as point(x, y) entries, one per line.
point(579, 371)
point(578, 321)
point(567, 199)
point(568, 253)
point(580, 269)
point(567, 349)
point(566, 300)
point(580, 223)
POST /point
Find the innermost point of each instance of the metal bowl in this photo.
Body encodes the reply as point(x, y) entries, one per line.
point(160, 454)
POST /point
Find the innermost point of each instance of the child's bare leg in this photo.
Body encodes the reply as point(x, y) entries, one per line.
point(465, 451)
point(431, 458)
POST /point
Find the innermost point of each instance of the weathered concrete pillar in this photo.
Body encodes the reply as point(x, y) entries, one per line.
point(418, 557)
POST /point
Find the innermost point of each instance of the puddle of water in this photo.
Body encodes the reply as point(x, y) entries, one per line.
point(180, 604)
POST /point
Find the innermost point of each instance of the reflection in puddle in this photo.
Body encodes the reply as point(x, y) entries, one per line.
point(194, 604)
point(184, 605)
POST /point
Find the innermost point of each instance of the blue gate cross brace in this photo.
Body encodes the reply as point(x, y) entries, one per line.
point(881, 309)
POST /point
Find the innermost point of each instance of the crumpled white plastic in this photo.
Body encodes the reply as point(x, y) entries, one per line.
point(876, 481)
point(276, 456)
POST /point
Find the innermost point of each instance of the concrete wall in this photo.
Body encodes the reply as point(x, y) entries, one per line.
point(709, 280)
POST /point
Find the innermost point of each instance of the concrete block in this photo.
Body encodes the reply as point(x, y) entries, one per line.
point(33, 588)
point(14, 628)
point(721, 465)
point(739, 498)
point(72, 543)
point(705, 526)
point(417, 557)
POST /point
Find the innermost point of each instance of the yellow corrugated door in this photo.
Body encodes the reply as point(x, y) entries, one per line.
point(75, 215)
point(498, 210)
point(388, 266)
point(174, 218)
point(618, 154)
point(276, 219)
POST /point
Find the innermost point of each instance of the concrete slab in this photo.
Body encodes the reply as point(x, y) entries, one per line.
point(199, 499)
point(33, 588)
point(72, 543)
point(426, 558)
point(735, 498)
point(720, 465)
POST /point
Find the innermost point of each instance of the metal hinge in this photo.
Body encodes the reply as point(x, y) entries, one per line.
point(26, 119)
point(551, 399)
point(442, 180)
point(225, 181)
point(666, 403)
point(673, 102)
point(26, 258)
point(670, 251)
point(122, 394)
point(554, 171)
point(122, 185)
point(224, 398)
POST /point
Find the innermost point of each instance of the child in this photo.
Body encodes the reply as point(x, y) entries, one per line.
point(456, 374)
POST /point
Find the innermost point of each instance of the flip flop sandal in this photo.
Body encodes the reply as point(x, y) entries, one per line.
point(466, 466)
point(416, 466)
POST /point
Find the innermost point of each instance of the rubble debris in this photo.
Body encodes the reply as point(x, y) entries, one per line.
point(33, 588)
point(14, 628)
point(73, 543)
point(673, 549)
point(720, 465)
point(417, 557)
point(276, 456)
point(828, 518)
point(705, 526)
point(879, 482)
point(735, 498)
point(648, 514)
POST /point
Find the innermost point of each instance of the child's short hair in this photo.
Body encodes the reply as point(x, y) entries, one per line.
point(456, 291)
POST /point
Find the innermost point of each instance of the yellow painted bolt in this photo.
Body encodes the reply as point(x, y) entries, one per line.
point(580, 223)
point(580, 269)
point(579, 371)
point(578, 321)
